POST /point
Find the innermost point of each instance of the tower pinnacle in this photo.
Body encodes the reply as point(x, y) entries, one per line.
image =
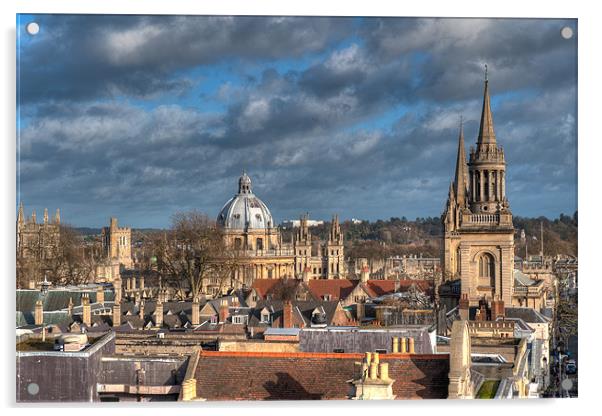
point(486, 133)
point(461, 178)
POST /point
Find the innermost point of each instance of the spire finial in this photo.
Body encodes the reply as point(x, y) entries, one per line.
point(485, 72)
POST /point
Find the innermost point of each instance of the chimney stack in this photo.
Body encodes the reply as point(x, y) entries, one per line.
point(463, 307)
point(224, 311)
point(159, 314)
point(287, 314)
point(116, 314)
point(100, 295)
point(306, 271)
point(39, 313)
point(117, 287)
point(365, 274)
point(196, 317)
point(384, 371)
point(70, 307)
point(87, 313)
point(497, 309)
point(360, 311)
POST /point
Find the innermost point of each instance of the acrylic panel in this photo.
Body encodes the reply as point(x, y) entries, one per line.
point(216, 208)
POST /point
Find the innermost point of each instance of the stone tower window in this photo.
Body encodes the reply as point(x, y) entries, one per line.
point(487, 266)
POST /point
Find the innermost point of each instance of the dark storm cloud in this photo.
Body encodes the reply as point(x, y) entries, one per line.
point(367, 127)
point(83, 57)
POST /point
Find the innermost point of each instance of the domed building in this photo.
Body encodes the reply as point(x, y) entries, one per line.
point(249, 230)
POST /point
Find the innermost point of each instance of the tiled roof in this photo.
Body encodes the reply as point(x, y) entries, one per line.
point(383, 287)
point(264, 286)
point(312, 376)
point(338, 289)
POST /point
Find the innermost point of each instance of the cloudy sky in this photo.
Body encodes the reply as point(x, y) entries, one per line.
point(139, 117)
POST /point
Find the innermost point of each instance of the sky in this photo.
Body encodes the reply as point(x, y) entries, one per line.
point(140, 117)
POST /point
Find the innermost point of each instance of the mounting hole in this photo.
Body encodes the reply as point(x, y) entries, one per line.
point(566, 32)
point(32, 28)
point(33, 389)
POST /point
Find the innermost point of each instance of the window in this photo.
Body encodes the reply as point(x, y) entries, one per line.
point(239, 319)
point(259, 244)
point(237, 243)
point(265, 318)
point(214, 319)
point(338, 350)
point(487, 267)
point(381, 351)
point(326, 297)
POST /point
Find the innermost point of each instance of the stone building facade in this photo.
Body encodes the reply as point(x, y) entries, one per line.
point(37, 240)
point(249, 229)
point(478, 241)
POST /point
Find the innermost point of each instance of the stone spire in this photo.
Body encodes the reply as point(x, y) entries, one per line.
point(20, 215)
point(335, 229)
point(33, 216)
point(57, 216)
point(486, 133)
point(461, 178)
point(45, 215)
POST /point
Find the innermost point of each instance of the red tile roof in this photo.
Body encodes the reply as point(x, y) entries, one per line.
point(312, 376)
point(338, 289)
point(264, 286)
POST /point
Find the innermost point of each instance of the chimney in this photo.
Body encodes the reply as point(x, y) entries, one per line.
point(39, 313)
point(463, 307)
point(159, 314)
point(100, 295)
point(224, 311)
point(411, 346)
point(196, 318)
point(70, 307)
point(86, 314)
point(395, 348)
point(117, 288)
point(498, 309)
point(384, 371)
point(306, 271)
point(141, 281)
point(365, 274)
point(360, 311)
point(287, 314)
point(404, 344)
point(133, 282)
point(116, 314)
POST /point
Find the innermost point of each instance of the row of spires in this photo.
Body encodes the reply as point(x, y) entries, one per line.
point(21, 216)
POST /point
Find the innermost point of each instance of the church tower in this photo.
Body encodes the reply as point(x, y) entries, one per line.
point(335, 250)
point(302, 246)
point(478, 240)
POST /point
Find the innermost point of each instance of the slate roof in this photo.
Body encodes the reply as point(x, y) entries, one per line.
point(311, 376)
point(529, 315)
point(56, 299)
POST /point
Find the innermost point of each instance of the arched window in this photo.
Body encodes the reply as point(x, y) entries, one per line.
point(487, 266)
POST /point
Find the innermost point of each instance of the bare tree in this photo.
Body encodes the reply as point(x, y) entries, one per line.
point(62, 259)
point(193, 254)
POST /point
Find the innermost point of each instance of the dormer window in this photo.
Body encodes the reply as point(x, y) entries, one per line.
point(214, 319)
point(326, 297)
point(265, 317)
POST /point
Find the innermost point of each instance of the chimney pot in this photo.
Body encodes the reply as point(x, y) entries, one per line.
point(395, 348)
point(403, 345)
point(384, 371)
point(373, 370)
point(411, 345)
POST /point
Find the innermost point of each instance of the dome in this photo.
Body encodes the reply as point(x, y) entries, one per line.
point(244, 210)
